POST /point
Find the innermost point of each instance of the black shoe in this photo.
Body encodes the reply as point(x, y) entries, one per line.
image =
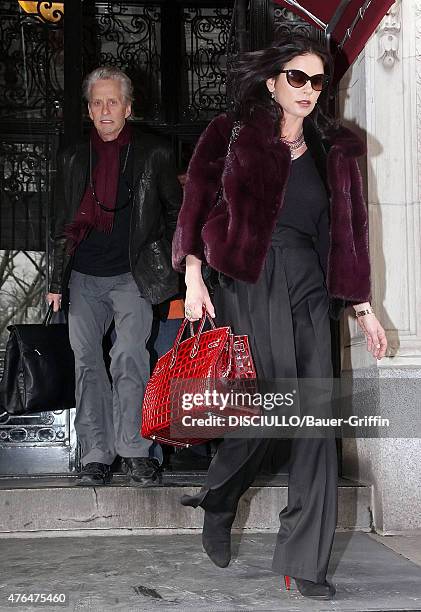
point(194, 500)
point(95, 475)
point(315, 590)
point(143, 471)
point(216, 537)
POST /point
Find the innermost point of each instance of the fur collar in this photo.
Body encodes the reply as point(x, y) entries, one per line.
point(348, 143)
point(341, 138)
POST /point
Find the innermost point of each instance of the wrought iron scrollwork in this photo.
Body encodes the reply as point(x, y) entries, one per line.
point(286, 21)
point(31, 71)
point(127, 36)
point(24, 183)
point(206, 38)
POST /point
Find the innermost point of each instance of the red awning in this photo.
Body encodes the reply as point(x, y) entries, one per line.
point(350, 23)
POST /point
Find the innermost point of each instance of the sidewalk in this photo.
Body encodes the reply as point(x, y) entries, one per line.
point(170, 572)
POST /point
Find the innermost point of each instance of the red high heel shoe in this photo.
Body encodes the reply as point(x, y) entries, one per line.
point(313, 590)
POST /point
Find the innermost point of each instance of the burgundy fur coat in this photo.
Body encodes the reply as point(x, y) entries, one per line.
point(234, 236)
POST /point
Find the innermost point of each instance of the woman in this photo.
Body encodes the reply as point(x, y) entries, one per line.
point(290, 256)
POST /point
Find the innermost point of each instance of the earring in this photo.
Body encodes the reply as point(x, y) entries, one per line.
point(272, 95)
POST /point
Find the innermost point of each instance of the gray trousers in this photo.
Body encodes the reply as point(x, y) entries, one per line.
point(108, 416)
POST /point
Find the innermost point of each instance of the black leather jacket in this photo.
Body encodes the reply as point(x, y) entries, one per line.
point(156, 203)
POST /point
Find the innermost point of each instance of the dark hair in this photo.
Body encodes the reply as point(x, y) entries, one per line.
point(246, 82)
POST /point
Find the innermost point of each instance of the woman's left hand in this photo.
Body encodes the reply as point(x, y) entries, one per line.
point(375, 334)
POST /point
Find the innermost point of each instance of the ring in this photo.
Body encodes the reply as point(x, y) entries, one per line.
point(188, 312)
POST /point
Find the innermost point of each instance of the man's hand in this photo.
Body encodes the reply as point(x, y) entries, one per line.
point(55, 299)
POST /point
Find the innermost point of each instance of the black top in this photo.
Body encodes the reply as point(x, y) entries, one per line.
point(306, 204)
point(102, 254)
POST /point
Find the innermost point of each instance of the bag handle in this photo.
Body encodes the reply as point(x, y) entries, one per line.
point(205, 317)
point(233, 137)
point(49, 314)
point(193, 353)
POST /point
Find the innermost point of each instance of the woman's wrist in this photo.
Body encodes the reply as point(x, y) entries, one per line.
point(362, 306)
point(193, 275)
point(193, 268)
point(363, 309)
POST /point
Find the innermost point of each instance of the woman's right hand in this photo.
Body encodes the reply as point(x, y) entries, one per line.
point(197, 294)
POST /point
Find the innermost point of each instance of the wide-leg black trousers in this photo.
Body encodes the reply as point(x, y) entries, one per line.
point(286, 317)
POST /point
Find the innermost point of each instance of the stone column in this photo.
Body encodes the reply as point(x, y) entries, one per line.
point(380, 98)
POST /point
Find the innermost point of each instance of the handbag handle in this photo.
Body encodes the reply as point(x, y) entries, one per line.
point(205, 316)
point(49, 314)
point(193, 353)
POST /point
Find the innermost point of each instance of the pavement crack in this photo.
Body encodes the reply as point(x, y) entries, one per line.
point(86, 520)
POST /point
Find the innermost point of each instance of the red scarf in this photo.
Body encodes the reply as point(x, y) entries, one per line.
point(105, 178)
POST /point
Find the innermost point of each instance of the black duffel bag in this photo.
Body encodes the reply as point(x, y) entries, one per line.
point(39, 368)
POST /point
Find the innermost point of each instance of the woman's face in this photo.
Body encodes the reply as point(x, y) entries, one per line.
point(297, 101)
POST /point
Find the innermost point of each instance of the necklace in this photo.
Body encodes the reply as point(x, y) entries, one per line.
point(91, 183)
point(294, 145)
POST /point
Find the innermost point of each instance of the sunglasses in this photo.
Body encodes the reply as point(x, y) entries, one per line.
point(298, 78)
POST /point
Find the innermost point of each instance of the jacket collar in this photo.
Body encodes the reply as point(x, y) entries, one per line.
point(348, 143)
point(343, 139)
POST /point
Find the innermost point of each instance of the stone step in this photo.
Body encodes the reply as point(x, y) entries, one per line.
point(47, 503)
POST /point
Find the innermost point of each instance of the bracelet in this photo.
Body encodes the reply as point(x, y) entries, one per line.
point(361, 313)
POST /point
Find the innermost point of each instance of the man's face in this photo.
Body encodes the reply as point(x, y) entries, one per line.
point(108, 108)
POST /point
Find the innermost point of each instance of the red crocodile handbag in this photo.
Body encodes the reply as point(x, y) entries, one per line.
point(207, 363)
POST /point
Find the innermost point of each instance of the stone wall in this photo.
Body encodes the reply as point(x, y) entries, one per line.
point(380, 98)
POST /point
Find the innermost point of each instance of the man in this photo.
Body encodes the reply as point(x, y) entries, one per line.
point(116, 203)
